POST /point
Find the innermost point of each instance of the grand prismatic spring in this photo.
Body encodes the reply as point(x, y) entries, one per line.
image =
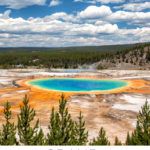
point(77, 85)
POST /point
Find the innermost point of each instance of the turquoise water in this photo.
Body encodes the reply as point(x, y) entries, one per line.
point(77, 85)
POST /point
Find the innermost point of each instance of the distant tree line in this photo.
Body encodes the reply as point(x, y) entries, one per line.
point(63, 130)
point(139, 47)
point(72, 57)
point(48, 59)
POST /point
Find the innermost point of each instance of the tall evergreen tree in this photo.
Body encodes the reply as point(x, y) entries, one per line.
point(141, 135)
point(81, 133)
point(28, 135)
point(117, 141)
point(8, 134)
point(61, 128)
point(40, 138)
point(128, 139)
point(101, 139)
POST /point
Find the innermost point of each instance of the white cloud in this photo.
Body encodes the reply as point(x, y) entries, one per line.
point(61, 15)
point(135, 6)
point(130, 17)
point(84, 28)
point(95, 12)
point(6, 14)
point(104, 13)
point(93, 29)
point(53, 24)
point(137, 1)
point(55, 2)
point(78, 0)
point(100, 1)
point(109, 1)
point(17, 4)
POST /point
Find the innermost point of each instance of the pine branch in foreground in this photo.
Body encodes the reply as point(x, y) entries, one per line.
point(81, 133)
point(62, 127)
point(141, 135)
point(101, 139)
point(8, 133)
point(29, 135)
point(117, 141)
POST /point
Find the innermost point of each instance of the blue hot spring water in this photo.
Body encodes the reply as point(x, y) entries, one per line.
point(77, 85)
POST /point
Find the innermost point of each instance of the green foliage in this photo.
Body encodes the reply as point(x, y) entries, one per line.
point(141, 135)
point(28, 135)
point(81, 133)
point(8, 133)
point(117, 141)
point(62, 127)
point(68, 57)
point(128, 139)
point(101, 139)
point(39, 138)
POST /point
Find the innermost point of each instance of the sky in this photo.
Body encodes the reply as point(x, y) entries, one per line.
point(62, 23)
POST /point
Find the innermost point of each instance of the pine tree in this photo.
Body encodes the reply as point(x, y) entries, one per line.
point(28, 135)
point(39, 138)
point(117, 141)
point(132, 139)
point(61, 128)
point(101, 139)
point(8, 134)
point(128, 139)
point(141, 135)
point(81, 133)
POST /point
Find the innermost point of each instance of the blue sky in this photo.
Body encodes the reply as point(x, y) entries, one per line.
point(52, 23)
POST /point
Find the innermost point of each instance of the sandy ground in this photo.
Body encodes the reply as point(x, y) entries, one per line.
point(116, 111)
